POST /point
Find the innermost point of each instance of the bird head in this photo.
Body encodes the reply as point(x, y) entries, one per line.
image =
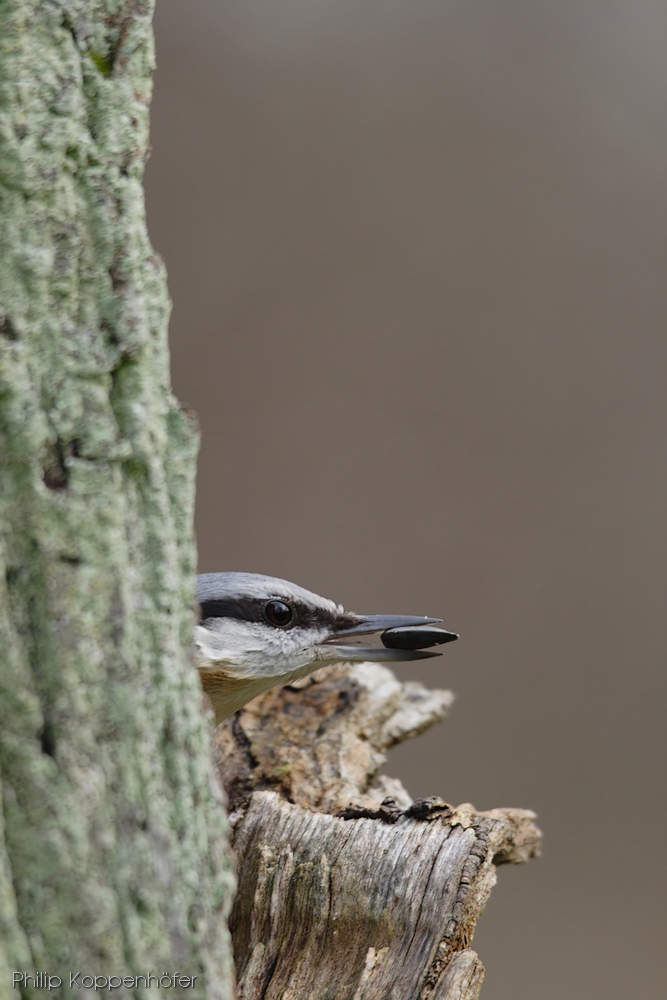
point(257, 631)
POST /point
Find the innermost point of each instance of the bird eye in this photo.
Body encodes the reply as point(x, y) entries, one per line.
point(278, 613)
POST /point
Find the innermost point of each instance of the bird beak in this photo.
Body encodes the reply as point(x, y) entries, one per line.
point(366, 625)
point(347, 654)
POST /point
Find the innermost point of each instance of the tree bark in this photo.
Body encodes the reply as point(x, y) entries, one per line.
point(113, 842)
point(348, 890)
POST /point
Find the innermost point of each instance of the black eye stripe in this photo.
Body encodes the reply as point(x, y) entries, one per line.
point(251, 609)
point(247, 611)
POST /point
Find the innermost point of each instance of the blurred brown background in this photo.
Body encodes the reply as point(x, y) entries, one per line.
point(417, 255)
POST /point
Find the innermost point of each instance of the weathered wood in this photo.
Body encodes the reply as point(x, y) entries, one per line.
point(347, 889)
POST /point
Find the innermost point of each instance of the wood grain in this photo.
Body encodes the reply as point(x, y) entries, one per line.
point(347, 892)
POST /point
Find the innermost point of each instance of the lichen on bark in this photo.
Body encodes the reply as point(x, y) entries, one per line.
point(113, 847)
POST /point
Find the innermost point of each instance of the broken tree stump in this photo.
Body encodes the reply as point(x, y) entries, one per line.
point(347, 889)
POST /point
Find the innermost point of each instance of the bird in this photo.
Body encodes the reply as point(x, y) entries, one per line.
point(256, 632)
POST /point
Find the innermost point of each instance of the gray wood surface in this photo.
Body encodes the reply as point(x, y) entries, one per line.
point(348, 890)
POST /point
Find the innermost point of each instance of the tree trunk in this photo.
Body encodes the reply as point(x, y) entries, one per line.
point(347, 889)
point(113, 846)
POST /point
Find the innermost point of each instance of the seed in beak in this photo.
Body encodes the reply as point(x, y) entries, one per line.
point(416, 638)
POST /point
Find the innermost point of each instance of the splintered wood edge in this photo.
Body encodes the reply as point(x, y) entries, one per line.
point(366, 908)
point(345, 893)
point(322, 745)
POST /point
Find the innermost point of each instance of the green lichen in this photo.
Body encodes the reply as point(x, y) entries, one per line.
point(113, 851)
point(103, 63)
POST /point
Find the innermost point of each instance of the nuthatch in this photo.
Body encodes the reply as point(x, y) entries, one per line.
point(258, 631)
